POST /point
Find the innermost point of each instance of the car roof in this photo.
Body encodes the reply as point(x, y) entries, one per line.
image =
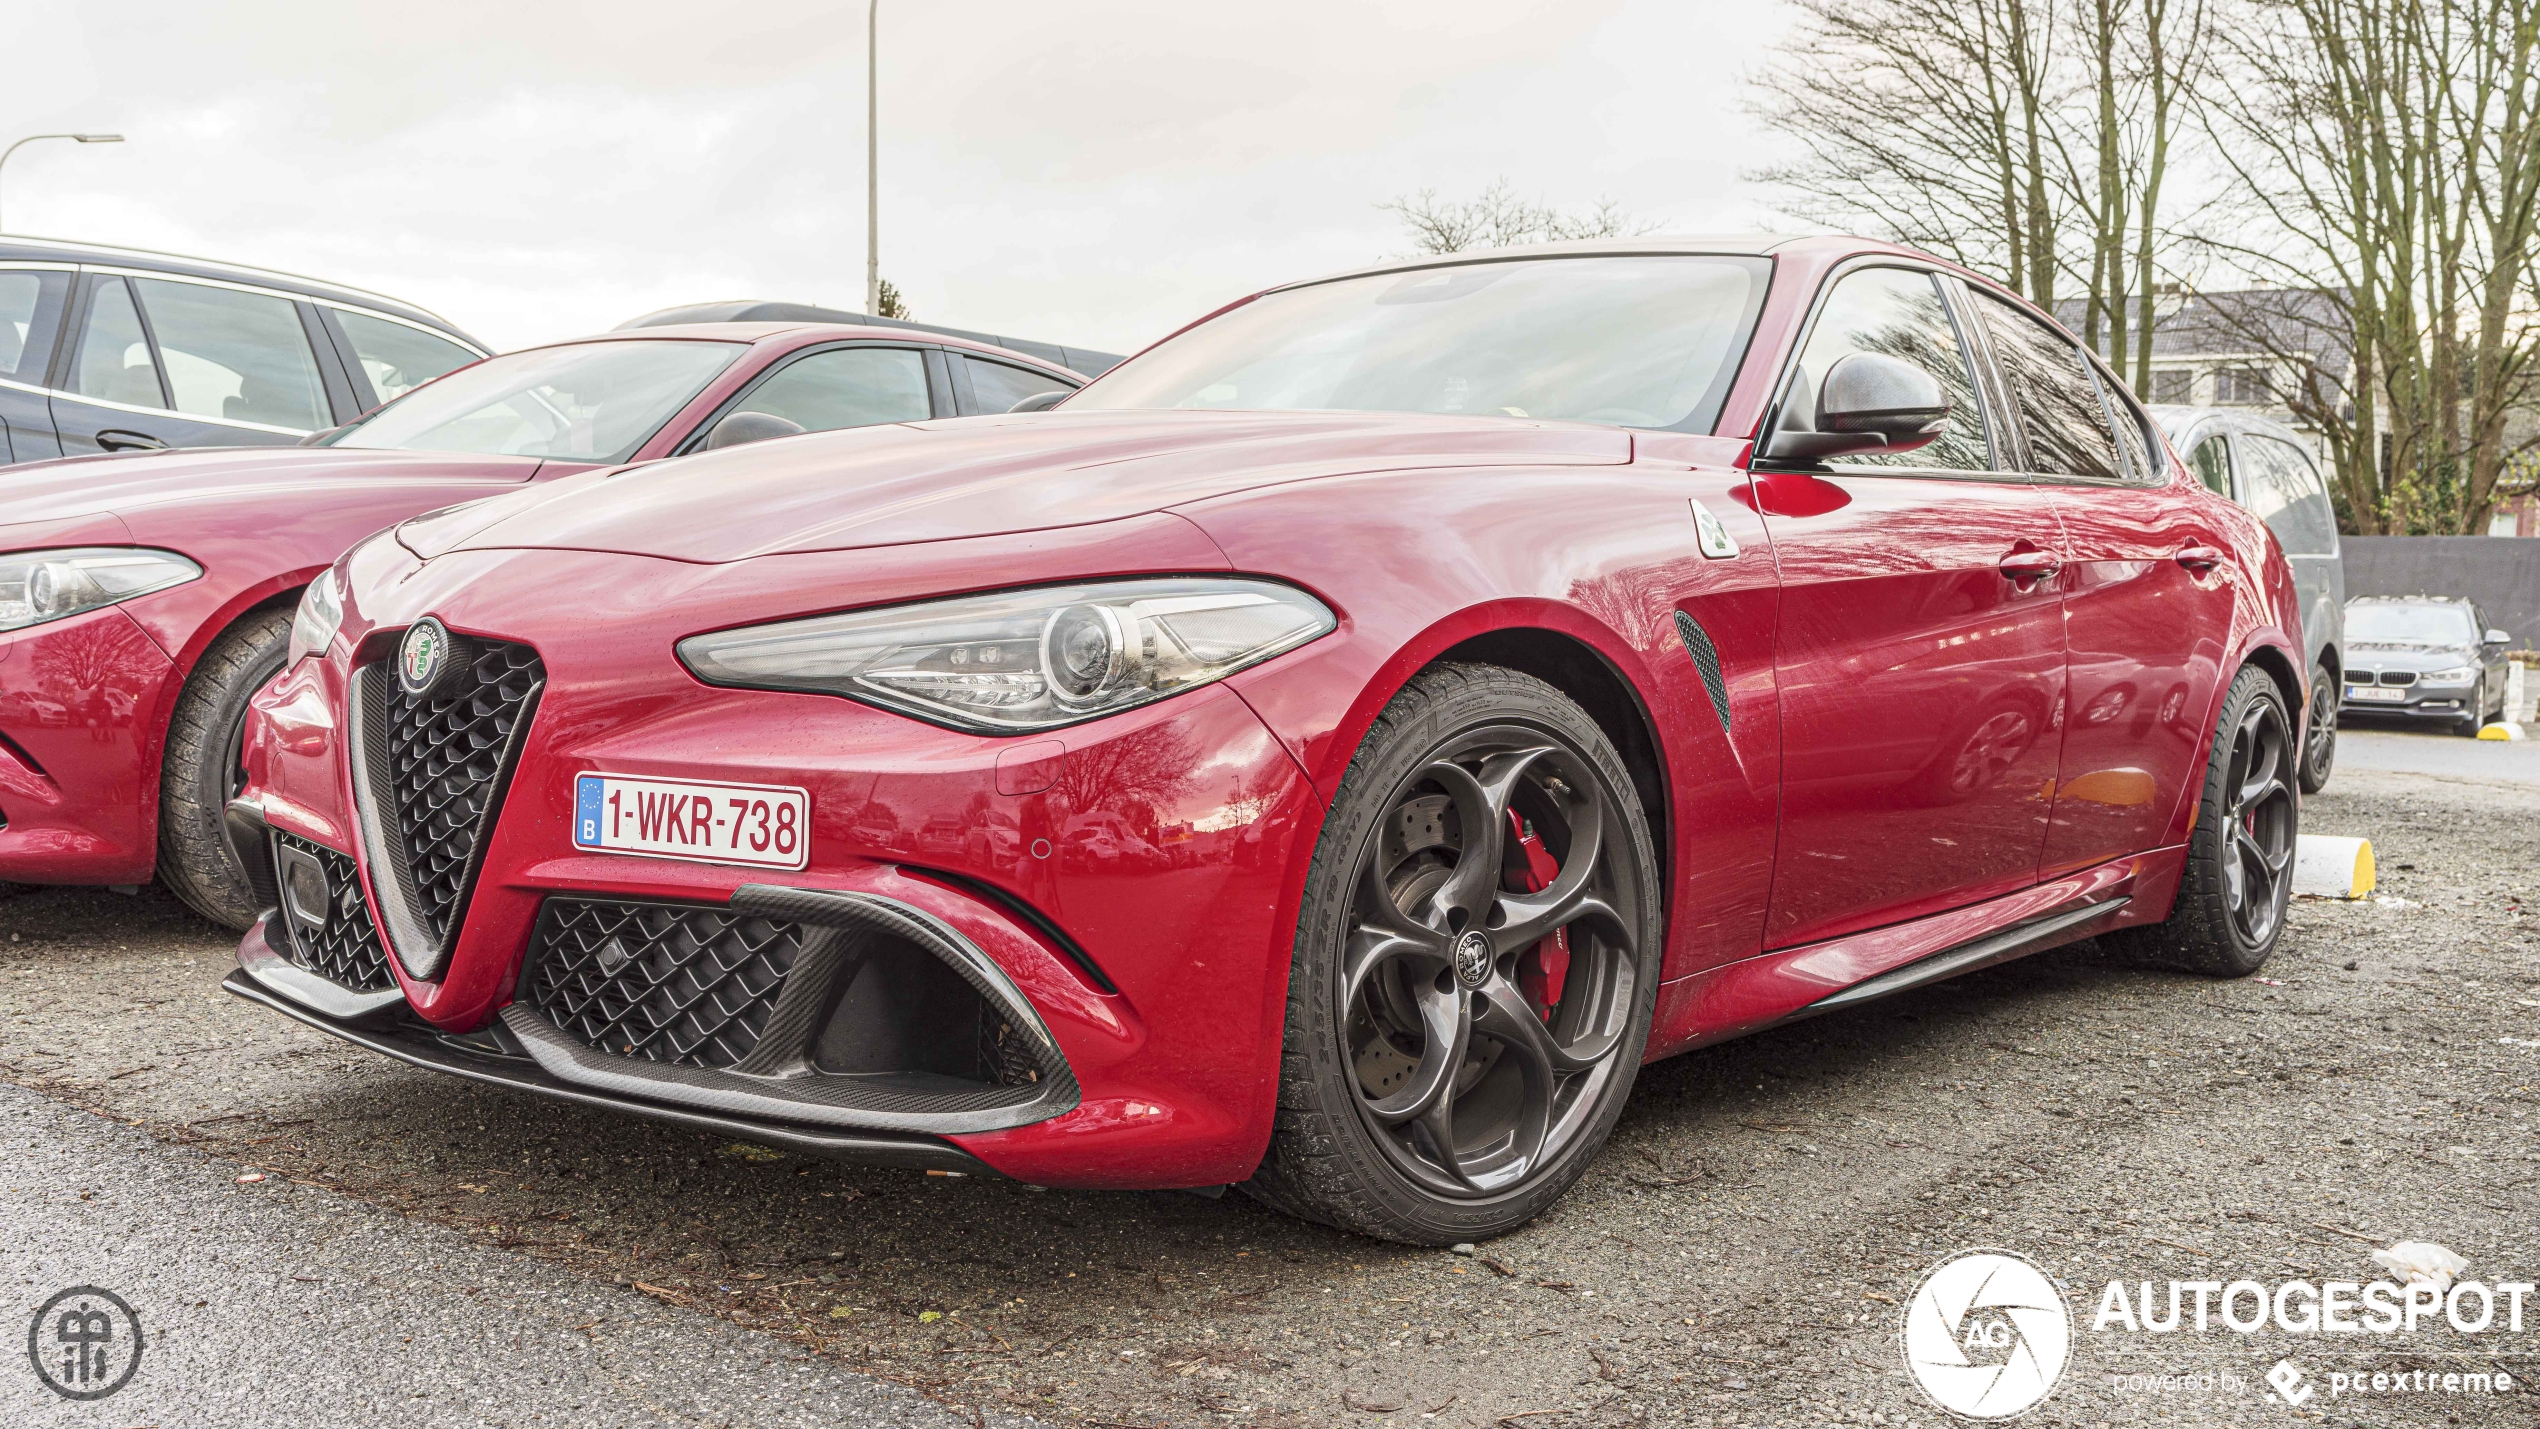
point(1745, 245)
point(2177, 421)
point(803, 332)
point(55, 250)
point(1082, 360)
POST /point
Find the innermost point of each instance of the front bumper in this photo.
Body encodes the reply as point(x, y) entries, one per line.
point(2445, 702)
point(83, 705)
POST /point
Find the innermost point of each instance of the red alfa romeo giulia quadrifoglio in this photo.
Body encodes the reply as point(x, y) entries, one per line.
point(1328, 753)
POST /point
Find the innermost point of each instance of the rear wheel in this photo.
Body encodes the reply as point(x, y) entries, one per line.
point(202, 771)
point(2319, 733)
point(1475, 964)
point(2239, 875)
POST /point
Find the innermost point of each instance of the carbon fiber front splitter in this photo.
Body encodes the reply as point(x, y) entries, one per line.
point(409, 1039)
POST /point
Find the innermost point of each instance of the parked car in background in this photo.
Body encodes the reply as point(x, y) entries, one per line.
point(144, 598)
point(2424, 657)
point(1549, 659)
point(113, 349)
point(2267, 467)
point(753, 310)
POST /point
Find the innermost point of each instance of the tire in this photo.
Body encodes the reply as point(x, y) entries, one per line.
point(2470, 724)
point(2319, 734)
point(2239, 875)
point(1382, 1127)
point(199, 774)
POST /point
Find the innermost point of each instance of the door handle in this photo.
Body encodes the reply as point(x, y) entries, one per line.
point(115, 441)
point(2025, 567)
point(2199, 558)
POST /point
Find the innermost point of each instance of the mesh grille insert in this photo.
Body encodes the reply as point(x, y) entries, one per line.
point(662, 982)
point(1706, 663)
point(445, 762)
point(348, 953)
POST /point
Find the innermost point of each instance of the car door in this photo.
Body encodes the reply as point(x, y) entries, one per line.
point(2146, 594)
point(32, 297)
point(1921, 653)
point(158, 361)
point(824, 389)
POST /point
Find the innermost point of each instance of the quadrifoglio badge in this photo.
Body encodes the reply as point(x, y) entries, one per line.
point(1989, 1334)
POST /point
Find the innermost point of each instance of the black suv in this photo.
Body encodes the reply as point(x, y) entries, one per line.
point(2426, 656)
point(114, 349)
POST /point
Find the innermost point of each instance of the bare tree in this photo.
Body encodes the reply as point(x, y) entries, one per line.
point(2388, 159)
point(1497, 218)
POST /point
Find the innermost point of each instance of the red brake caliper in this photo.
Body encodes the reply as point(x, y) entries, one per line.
point(1545, 966)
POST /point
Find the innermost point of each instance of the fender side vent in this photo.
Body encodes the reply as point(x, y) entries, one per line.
point(1706, 663)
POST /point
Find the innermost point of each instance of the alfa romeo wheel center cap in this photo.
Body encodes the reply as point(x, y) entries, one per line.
point(1472, 959)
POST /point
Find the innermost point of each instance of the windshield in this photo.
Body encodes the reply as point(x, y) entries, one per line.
point(1636, 342)
point(2410, 624)
point(594, 401)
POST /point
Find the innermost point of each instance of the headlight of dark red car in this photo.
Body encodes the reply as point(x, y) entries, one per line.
point(37, 586)
point(1024, 660)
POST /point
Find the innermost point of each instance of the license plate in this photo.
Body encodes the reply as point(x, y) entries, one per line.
point(2377, 695)
point(760, 825)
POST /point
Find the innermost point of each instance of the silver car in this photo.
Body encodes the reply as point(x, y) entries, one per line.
point(2265, 466)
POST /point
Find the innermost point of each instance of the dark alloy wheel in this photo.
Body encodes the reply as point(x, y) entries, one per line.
point(2319, 733)
point(2239, 875)
point(1479, 1008)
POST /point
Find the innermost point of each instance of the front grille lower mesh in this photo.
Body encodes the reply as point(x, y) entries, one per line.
point(446, 753)
point(661, 982)
point(348, 953)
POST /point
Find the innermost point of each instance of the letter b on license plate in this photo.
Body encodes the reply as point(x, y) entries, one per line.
point(758, 825)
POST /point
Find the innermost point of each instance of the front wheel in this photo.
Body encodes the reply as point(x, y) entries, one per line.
point(2476, 719)
point(2319, 733)
point(1476, 959)
point(202, 771)
point(2239, 875)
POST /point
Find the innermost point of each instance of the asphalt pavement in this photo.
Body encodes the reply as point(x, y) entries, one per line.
point(2441, 756)
point(1740, 1254)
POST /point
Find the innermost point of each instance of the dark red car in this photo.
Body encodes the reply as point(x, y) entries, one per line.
point(1329, 753)
point(144, 598)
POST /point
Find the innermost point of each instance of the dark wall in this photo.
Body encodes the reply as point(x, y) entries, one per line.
point(2501, 573)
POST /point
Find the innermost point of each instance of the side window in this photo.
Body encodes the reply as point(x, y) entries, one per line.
point(1899, 313)
point(241, 357)
point(846, 387)
point(30, 314)
point(2058, 401)
point(997, 386)
point(2302, 519)
point(398, 358)
point(2211, 461)
point(114, 354)
point(2127, 421)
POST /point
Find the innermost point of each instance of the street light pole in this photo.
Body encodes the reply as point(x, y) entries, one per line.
point(82, 138)
point(872, 161)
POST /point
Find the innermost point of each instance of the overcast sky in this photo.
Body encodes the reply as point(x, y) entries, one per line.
point(1094, 172)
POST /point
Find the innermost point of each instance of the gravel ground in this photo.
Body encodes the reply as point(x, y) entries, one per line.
point(1737, 1256)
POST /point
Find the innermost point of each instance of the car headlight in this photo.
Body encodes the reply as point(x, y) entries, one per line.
point(1022, 660)
point(2457, 675)
point(320, 615)
point(37, 586)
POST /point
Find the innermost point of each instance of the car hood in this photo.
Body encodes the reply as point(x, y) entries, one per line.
point(2380, 656)
point(133, 483)
point(978, 476)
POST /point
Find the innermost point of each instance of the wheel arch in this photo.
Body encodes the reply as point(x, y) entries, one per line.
point(1583, 673)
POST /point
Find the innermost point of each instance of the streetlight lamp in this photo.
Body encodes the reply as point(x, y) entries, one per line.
point(872, 162)
point(82, 138)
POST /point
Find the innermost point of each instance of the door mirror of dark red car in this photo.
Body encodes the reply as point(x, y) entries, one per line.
point(742, 427)
point(1869, 402)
